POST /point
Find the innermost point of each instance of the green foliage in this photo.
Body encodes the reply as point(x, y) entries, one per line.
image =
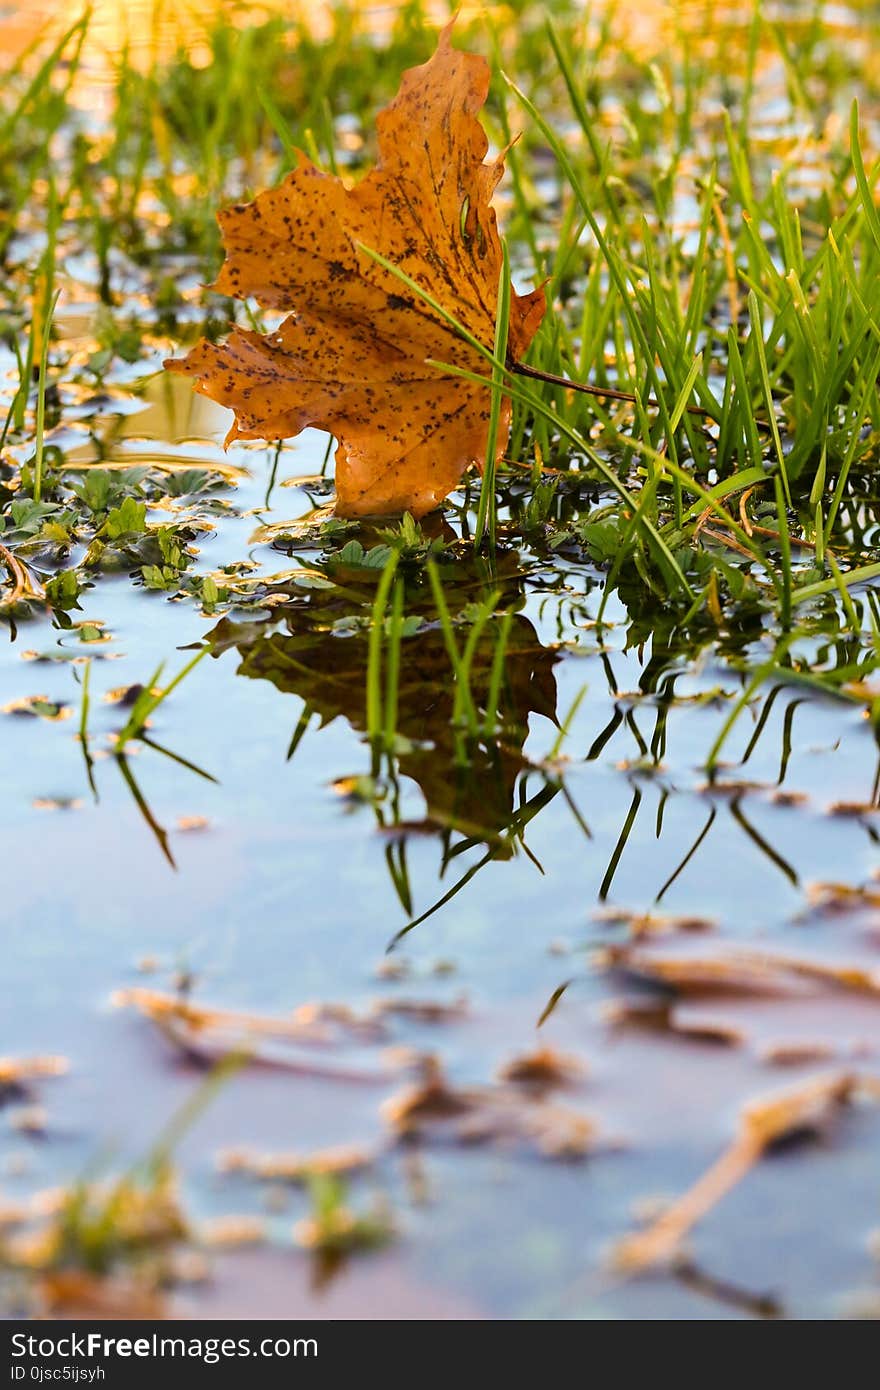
point(63, 590)
point(746, 334)
point(128, 519)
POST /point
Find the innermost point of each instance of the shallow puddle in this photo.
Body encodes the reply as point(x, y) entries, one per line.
point(576, 881)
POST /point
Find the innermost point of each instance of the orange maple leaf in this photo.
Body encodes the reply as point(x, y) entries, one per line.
point(352, 357)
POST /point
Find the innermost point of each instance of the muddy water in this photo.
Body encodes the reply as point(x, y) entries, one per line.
point(271, 886)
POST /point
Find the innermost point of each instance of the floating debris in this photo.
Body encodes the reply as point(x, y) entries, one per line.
point(341, 1161)
point(733, 787)
point(392, 968)
point(292, 1042)
point(210, 1035)
point(232, 1232)
point(423, 1010)
point(76, 1294)
point(727, 974)
point(125, 695)
point(796, 1054)
point(429, 1100)
point(651, 924)
point(17, 1073)
point(663, 1016)
point(543, 1068)
point(738, 972)
point(783, 797)
point(763, 1125)
point(841, 897)
point(432, 1108)
point(38, 707)
point(32, 1120)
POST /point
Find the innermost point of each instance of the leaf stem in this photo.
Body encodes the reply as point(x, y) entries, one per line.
point(603, 392)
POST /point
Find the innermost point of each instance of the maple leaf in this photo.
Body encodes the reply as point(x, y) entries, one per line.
point(353, 355)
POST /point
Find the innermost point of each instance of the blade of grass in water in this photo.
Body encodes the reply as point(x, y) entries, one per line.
point(463, 707)
point(374, 650)
point(84, 727)
point(496, 676)
point(41, 399)
point(757, 341)
point(392, 671)
point(486, 513)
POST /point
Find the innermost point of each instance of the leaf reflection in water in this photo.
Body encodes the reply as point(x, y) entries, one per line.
point(477, 791)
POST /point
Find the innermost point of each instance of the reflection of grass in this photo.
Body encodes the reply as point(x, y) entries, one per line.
point(739, 364)
point(382, 715)
point(460, 712)
point(465, 712)
point(147, 701)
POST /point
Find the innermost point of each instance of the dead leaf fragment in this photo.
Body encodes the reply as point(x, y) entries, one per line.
point(433, 1108)
point(320, 1039)
point(16, 1073)
point(337, 1162)
point(232, 1232)
point(795, 1054)
point(703, 975)
point(661, 1016)
point(291, 1043)
point(29, 1119)
point(542, 1068)
point(738, 972)
point(76, 1294)
point(841, 897)
point(651, 924)
point(763, 1124)
point(559, 1132)
point(429, 1100)
point(423, 1010)
point(38, 706)
point(352, 357)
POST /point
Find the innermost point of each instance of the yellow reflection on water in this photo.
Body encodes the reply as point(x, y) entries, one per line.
point(155, 29)
point(717, 34)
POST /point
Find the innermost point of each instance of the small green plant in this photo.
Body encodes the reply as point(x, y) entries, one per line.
point(334, 1229)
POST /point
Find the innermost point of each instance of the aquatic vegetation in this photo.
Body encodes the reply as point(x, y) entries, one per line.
point(601, 731)
point(334, 1229)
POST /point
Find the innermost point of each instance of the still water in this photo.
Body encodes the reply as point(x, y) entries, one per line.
point(285, 878)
